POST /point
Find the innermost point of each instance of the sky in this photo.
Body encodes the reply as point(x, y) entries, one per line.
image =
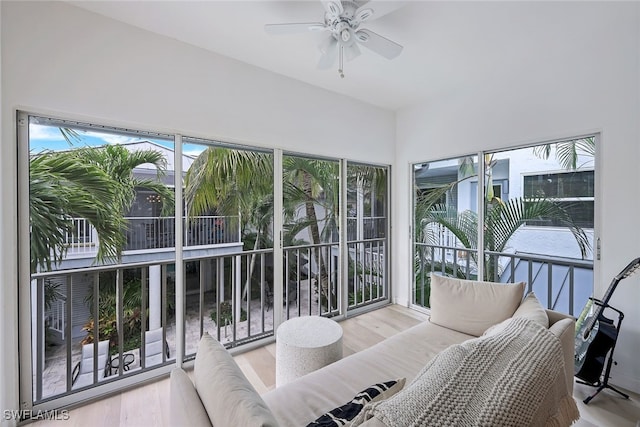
point(42, 137)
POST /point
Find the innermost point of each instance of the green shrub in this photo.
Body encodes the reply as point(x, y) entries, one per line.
point(226, 314)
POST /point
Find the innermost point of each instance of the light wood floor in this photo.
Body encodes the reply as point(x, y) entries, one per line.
point(148, 405)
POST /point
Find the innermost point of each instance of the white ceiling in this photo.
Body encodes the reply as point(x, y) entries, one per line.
point(447, 46)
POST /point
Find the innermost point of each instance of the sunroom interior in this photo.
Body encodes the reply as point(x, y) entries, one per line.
point(485, 77)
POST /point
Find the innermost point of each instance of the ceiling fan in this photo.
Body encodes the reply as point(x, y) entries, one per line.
point(342, 20)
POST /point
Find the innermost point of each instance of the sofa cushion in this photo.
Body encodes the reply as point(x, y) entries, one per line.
point(227, 395)
point(401, 355)
point(469, 306)
point(486, 381)
point(531, 308)
point(186, 407)
point(342, 415)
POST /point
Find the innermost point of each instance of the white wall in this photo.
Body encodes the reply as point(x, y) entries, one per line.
point(61, 59)
point(586, 78)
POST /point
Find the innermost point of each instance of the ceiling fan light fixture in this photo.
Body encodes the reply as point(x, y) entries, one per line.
point(334, 8)
point(364, 14)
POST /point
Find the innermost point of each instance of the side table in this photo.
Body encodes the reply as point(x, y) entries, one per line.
point(304, 344)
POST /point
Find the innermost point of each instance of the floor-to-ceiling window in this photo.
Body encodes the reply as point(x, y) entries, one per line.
point(139, 242)
point(101, 226)
point(311, 225)
point(536, 222)
point(445, 224)
point(367, 234)
point(228, 243)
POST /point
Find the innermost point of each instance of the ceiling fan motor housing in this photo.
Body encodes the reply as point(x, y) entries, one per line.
point(342, 24)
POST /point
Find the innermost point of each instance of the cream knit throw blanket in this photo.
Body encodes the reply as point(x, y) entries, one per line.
point(514, 377)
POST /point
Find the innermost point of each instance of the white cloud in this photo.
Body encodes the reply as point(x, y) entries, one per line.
point(111, 138)
point(40, 132)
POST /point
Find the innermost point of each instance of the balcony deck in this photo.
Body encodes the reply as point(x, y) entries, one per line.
point(149, 404)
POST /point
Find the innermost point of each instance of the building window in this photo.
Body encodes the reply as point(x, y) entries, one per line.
point(574, 191)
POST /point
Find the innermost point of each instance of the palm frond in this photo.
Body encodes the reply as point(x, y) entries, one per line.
point(70, 135)
point(503, 220)
point(568, 152)
point(63, 187)
point(542, 151)
point(463, 226)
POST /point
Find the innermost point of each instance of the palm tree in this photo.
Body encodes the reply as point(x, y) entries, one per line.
point(63, 187)
point(233, 182)
point(94, 183)
point(311, 183)
point(119, 163)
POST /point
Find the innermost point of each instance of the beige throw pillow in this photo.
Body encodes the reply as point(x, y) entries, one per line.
point(470, 306)
point(531, 308)
point(227, 395)
point(186, 407)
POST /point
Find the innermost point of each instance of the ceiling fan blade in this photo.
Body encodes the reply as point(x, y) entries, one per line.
point(380, 45)
point(333, 7)
point(351, 52)
point(301, 27)
point(329, 51)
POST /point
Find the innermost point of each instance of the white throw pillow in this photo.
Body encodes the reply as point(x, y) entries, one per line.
point(471, 307)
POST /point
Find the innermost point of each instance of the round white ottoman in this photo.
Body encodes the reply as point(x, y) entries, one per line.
point(304, 344)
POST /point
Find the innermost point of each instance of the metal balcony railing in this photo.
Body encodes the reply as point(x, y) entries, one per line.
point(158, 233)
point(367, 279)
point(561, 284)
point(230, 296)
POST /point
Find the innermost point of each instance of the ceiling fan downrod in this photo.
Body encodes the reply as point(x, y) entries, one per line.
point(340, 62)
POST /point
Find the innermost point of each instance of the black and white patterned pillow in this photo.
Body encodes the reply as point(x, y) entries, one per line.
point(344, 414)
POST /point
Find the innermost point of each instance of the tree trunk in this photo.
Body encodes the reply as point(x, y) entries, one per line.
point(310, 210)
point(251, 267)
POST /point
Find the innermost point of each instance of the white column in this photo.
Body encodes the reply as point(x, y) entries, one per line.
point(238, 289)
point(343, 248)
point(34, 320)
point(278, 268)
point(179, 233)
point(209, 280)
point(361, 283)
point(155, 297)
point(360, 210)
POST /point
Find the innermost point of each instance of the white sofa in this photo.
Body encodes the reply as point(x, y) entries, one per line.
point(461, 312)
